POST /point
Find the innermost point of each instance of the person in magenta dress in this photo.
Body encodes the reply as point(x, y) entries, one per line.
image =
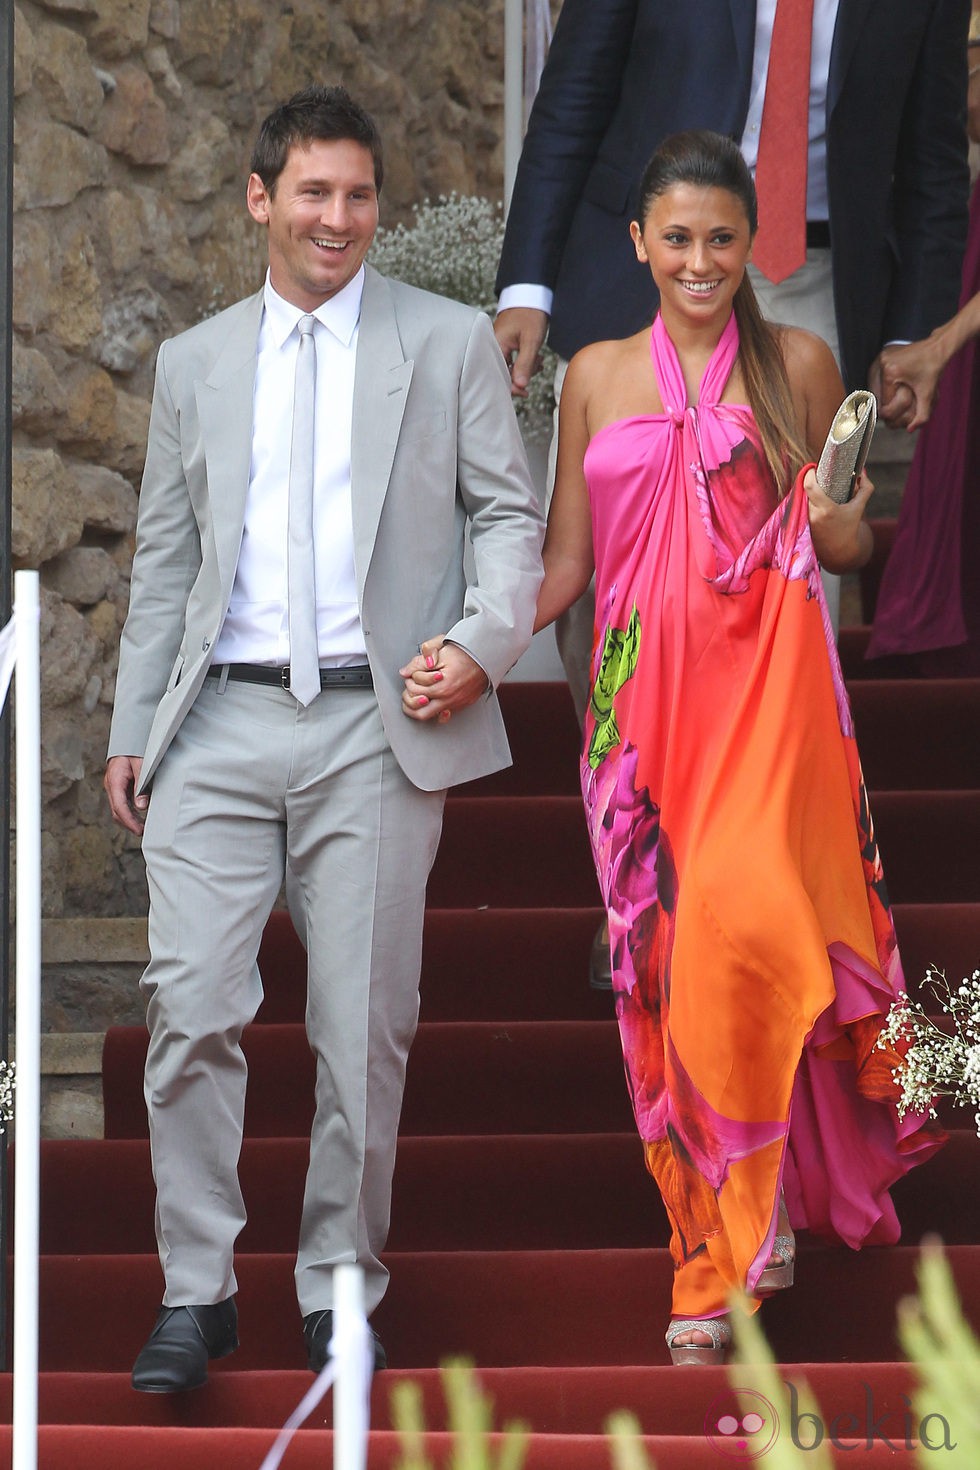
point(928, 605)
point(754, 956)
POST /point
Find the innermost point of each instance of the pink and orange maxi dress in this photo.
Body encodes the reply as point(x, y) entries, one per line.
point(753, 949)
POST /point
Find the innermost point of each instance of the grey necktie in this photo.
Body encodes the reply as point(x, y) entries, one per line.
point(304, 664)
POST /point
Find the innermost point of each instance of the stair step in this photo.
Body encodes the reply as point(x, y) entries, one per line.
point(501, 1308)
point(930, 843)
point(852, 646)
point(915, 735)
point(883, 531)
point(87, 1448)
point(545, 742)
point(553, 1400)
point(490, 1192)
point(532, 964)
point(477, 964)
point(463, 1077)
point(513, 851)
point(910, 734)
point(918, 736)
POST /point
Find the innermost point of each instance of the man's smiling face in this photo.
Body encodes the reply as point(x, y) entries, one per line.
point(321, 213)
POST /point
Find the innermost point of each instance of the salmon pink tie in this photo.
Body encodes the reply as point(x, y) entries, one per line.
point(780, 174)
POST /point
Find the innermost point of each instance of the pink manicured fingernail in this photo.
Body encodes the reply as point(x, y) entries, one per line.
point(421, 699)
point(438, 674)
point(430, 662)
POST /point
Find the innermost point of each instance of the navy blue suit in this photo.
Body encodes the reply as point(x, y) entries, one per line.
point(622, 74)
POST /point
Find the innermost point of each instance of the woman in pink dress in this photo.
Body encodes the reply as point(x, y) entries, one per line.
point(752, 946)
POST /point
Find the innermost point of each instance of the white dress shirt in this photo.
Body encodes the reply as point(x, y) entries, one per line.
point(824, 20)
point(256, 627)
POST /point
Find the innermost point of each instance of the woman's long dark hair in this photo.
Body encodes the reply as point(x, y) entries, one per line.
point(710, 161)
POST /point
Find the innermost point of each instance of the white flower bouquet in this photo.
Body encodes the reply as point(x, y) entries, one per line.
point(452, 247)
point(940, 1056)
point(8, 1081)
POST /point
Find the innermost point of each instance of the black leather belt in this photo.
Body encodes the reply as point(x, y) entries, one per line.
point(818, 234)
point(357, 676)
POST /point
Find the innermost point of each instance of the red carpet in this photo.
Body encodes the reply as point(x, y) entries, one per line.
point(525, 1232)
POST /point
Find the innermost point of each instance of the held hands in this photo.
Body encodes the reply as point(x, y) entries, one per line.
point(440, 679)
point(520, 331)
point(905, 379)
point(841, 535)
point(121, 778)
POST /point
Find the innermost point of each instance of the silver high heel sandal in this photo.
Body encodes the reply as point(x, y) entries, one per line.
point(779, 1277)
point(717, 1328)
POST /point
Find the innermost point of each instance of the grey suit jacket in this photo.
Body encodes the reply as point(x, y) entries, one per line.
point(435, 445)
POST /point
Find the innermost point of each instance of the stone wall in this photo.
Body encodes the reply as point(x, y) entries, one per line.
point(133, 125)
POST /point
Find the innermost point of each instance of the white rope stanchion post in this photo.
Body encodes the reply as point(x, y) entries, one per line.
point(353, 1350)
point(28, 1031)
point(348, 1371)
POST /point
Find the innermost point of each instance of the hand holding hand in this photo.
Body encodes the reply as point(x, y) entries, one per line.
point(440, 679)
point(905, 379)
point(122, 774)
point(520, 331)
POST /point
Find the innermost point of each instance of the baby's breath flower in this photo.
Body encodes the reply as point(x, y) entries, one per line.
point(938, 1058)
point(8, 1082)
point(452, 248)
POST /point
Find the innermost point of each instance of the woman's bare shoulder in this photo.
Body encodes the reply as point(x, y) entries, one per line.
point(815, 383)
point(806, 355)
point(595, 364)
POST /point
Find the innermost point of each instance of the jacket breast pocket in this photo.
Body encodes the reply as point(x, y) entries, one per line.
point(421, 426)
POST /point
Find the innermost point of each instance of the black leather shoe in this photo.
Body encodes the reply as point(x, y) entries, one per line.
point(175, 1355)
point(317, 1332)
point(600, 960)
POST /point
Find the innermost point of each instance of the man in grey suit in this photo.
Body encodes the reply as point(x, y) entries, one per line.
point(392, 407)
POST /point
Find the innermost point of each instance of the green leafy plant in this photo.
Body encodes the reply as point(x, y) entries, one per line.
point(946, 1352)
point(626, 1451)
point(754, 1371)
point(470, 1421)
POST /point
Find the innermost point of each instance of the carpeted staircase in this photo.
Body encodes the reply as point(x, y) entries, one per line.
point(525, 1232)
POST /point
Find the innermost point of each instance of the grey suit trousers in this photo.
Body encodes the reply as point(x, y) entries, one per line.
point(255, 788)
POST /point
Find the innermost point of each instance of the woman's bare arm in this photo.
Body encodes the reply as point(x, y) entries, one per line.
point(568, 555)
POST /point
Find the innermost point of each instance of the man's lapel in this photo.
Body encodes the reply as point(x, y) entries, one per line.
point(847, 32)
point(224, 406)
point(743, 30)
point(381, 379)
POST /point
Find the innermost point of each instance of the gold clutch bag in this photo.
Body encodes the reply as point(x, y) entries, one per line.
point(847, 445)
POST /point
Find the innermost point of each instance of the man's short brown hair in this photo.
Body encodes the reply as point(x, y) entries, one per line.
point(316, 113)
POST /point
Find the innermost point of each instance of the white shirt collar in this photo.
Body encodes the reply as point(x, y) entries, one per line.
point(340, 313)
